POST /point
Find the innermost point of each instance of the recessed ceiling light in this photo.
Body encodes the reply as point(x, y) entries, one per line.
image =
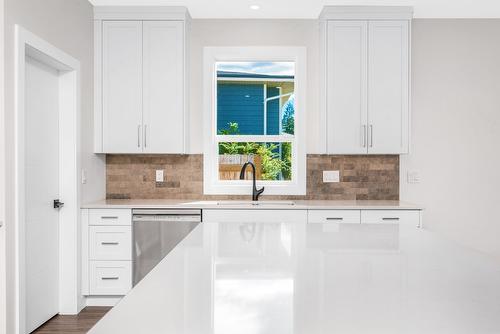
point(255, 7)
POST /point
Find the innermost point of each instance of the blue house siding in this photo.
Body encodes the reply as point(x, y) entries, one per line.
point(243, 104)
point(273, 112)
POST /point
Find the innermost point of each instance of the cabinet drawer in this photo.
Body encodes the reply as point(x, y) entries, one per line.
point(334, 216)
point(110, 277)
point(110, 217)
point(254, 216)
point(391, 217)
point(110, 242)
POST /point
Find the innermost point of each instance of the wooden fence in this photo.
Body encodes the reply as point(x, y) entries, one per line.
point(229, 169)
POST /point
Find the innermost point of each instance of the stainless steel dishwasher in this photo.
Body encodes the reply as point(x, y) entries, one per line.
point(156, 233)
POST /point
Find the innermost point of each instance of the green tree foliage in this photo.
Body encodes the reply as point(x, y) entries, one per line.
point(274, 166)
point(288, 118)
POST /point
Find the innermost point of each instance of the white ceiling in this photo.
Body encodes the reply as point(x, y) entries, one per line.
point(311, 8)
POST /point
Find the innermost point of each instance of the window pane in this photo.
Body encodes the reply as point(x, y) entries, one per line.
point(255, 98)
point(273, 161)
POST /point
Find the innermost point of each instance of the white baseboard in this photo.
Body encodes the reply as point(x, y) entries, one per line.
point(102, 300)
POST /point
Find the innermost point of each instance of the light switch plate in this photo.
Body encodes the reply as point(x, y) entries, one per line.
point(84, 176)
point(330, 176)
point(159, 175)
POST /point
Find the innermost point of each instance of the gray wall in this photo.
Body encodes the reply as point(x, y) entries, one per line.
point(456, 129)
point(68, 25)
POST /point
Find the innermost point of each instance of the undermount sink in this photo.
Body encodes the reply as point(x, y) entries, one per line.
point(255, 203)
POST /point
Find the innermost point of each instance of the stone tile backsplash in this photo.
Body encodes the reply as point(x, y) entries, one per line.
point(365, 177)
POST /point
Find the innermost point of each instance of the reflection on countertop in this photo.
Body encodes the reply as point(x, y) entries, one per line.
point(313, 278)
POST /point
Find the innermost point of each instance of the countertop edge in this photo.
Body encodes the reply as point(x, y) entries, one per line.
point(310, 205)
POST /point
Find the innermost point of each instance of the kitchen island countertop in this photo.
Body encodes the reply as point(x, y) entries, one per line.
point(313, 278)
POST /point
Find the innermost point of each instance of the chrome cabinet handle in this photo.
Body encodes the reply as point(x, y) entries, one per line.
point(110, 243)
point(334, 218)
point(390, 218)
point(110, 278)
point(363, 136)
point(139, 135)
point(109, 217)
point(145, 135)
point(371, 135)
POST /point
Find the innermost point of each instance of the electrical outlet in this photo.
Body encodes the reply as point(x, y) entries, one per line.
point(159, 175)
point(413, 177)
point(330, 176)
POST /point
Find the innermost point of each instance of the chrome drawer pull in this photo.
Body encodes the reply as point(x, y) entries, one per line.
point(110, 278)
point(390, 218)
point(334, 218)
point(110, 243)
point(139, 135)
point(109, 217)
point(371, 135)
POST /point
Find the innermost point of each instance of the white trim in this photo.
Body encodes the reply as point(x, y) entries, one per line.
point(366, 13)
point(102, 300)
point(278, 96)
point(3, 250)
point(142, 13)
point(265, 110)
point(323, 79)
point(211, 183)
point(98, 129)
point(257, 138)
point(254, 79)
point(69, 134)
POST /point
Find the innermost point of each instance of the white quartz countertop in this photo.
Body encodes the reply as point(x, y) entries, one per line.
point(263, 204)
point(285, 278)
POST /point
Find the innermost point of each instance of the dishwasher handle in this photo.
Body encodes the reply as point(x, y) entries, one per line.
point(166, 218)
point(171, 212)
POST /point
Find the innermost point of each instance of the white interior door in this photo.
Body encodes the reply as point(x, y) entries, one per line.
point(388, 96)
point(122, 86)
point(163, 86)
point(42, 187)
point(346, 87)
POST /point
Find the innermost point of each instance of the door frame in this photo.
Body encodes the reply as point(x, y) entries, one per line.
point(28, 44)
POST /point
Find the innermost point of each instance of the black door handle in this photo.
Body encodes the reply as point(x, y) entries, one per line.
point(58, 204)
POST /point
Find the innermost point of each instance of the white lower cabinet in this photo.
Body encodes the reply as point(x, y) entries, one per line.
point(110, 243)
point(334, 216)
point(106, 252)
point(254, 216)
point(110, 217)
point(110, 277)
point(409, 217)
point(107, 239)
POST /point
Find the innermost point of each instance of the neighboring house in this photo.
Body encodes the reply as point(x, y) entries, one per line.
point(254, 101)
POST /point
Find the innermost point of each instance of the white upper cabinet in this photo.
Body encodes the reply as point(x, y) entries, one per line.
point(388, 87)
point(163, 75)
point(122, 86)
point(140, 93)
point(346, 82)
point(366, 55)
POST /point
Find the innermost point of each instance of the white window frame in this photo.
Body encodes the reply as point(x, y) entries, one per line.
point(211, 183)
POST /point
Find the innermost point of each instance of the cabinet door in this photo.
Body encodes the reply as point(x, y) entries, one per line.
point(122, 86)
point(346, 87)
point(163, 86)
point(388, 96)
